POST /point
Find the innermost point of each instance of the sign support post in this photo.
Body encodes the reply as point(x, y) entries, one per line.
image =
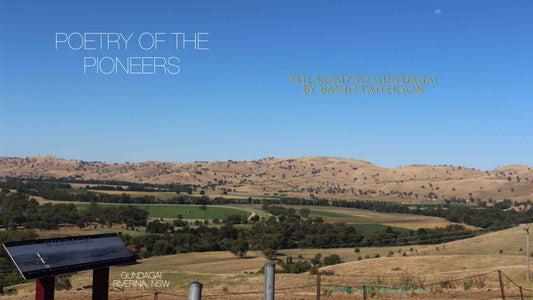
point(44, 288)
point(100, 283)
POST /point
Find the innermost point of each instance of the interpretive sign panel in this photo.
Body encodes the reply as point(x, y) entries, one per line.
point(50, 257)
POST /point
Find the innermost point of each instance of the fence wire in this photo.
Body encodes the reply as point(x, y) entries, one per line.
point(508, 289)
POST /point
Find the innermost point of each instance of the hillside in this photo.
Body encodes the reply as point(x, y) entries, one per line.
point(323, 177)
point(223, 273)
point(504, 250)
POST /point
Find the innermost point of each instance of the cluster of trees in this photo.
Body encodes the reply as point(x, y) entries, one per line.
point(490, 217)
point(18, 209)
point(301, 266)
point(64, 182)
point(259, 236)
point(332, 259)
point(421, 236)
point(121, 188)
point(166, 238)
point(63, 192)
point(284, 211)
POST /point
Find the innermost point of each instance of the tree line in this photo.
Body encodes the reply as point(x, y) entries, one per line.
point(18, 209)
point(64, 182)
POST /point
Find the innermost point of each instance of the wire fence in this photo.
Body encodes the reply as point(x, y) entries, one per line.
point(489, 285)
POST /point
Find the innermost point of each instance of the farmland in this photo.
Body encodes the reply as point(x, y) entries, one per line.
point(193, 212)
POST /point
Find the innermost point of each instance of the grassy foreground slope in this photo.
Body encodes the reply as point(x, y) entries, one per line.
point(504, 250)
point(222, 273)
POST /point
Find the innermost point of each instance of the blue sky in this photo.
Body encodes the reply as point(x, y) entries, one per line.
point(235, 101)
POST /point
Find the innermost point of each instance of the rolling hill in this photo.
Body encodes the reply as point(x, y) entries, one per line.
point(323, 177)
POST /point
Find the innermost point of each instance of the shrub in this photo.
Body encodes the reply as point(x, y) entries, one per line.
point(479, 282)
point(296, 268)
point(448, 283)
point(316, 260)
point(468, 283)
point(333, 259)
point(408, 279)
point(62, 282)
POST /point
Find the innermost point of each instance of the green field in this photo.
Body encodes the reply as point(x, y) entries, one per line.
point(368, 229)
point(171, 211)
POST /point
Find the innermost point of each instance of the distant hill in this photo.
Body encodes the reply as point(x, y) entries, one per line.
point(323, 177)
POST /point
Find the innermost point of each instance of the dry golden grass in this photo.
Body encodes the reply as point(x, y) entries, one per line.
point(223, 274)
point(399, 220)
point(459, 258)
point(293, 176)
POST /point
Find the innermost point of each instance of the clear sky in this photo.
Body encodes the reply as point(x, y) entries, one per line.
point(235, 100)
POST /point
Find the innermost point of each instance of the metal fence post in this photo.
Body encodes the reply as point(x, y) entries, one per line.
point(195, 290)
point(318, 286)
point(269, 280)
point(501, 283)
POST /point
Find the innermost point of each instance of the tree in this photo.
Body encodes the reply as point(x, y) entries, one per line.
point(315, 261)
point(271, 220)
point(270, 254)
point(203, 208)
point(239, 248)
point(304, 212)
point(268, 244)
point(234, 219)
point(162, 247)
point(333, 259)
